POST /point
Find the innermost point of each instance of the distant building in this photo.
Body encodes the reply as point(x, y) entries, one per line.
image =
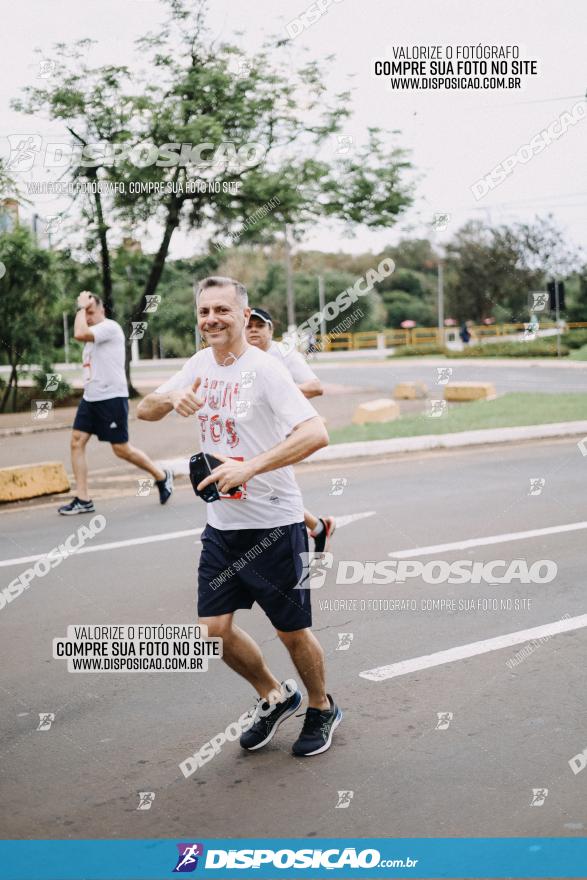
point(9, 218)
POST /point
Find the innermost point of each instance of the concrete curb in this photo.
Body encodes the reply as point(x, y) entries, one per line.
point(363, 449)
point(20, 430)
point(450, 362)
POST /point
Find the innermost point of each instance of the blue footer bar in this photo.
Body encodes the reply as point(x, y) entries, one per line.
point(286, 858)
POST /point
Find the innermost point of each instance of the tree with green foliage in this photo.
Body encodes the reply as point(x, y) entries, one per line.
point(269, 292)
point(193, 92)
point(492, 270)
point(402, 306)
point(415, 254)
point(410, 292)
point(576, 295)
point(29, 301)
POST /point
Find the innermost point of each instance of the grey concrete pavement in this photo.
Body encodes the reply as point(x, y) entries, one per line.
point(512, 731)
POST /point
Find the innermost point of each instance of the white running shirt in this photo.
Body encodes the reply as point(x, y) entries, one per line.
point(103, 363)
point(250, 406)
point(294, 362)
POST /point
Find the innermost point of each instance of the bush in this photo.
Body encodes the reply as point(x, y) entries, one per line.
point(575, 338)
point(63, 391)
point(420, 350)
point(535, 348)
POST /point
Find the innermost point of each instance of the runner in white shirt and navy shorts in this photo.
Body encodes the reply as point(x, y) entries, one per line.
point(250, 414)
point(103, 409)
point(270, 505)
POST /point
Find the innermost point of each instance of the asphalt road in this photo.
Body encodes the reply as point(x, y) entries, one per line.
point(513, 728)
point(347, 385)
point(509, 376)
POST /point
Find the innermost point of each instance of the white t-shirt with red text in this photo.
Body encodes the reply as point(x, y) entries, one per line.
point(251, 405)
point(103, 363)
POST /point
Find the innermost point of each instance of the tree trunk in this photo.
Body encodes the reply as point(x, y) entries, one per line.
point(127, 356)
point(104, 251)
point(92, 174)
point(15, 390)
point(152, 283)
point(8, 388)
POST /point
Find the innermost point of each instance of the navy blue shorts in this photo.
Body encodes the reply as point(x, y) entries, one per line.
point(107, 419)
point(243, 566)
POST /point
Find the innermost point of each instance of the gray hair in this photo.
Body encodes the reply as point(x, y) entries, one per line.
point(222, 281)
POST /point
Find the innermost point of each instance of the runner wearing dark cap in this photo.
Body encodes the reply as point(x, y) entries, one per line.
point(259, 332)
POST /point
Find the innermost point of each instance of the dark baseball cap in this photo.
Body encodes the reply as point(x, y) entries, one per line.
point(263, 314)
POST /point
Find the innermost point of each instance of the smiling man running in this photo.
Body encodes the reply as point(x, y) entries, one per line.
point(253, 418)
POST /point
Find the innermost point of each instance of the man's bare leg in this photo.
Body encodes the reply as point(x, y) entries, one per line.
point(79, 441)
point(308, 658)
point(138, 458)
point(243, 655)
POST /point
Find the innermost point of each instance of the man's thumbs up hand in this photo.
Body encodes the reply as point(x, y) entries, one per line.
point(186, 402)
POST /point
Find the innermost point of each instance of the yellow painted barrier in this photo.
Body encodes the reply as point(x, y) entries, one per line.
point(469, 391)
point(410, 391)
point(32, 480)
point(380, 410)
point(368, 339)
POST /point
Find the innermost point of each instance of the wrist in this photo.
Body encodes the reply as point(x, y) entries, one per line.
point(254, 467)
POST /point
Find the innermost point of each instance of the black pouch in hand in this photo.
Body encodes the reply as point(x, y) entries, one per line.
point(201, 466)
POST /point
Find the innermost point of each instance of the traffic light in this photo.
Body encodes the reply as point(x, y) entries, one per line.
point(552, 296)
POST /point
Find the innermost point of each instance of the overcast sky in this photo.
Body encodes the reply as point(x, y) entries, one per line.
point(454, 137)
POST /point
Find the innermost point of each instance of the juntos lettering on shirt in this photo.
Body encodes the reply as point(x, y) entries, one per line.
point(220, 396)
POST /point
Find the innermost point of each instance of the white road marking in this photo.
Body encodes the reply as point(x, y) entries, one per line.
point(342, 521)
point(482, 542)
point(151, 539)
point(462, 652)
point(112, 545)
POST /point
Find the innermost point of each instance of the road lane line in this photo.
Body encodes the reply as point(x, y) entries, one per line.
point(112, 545)
point(342, 521)
point(482, 542)
point(462, 652)
point(151, 539)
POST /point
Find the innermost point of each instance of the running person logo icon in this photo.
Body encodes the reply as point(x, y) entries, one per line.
point(344, 799)
point(46, 719)
point(187, 860)
point(146, 799)
point(539, 795)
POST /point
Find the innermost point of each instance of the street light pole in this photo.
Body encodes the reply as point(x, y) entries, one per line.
point(557, 317)
point(291, 312)
point(440, 268)
point(197, 337)
point(321, 305)
point(65, 337)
